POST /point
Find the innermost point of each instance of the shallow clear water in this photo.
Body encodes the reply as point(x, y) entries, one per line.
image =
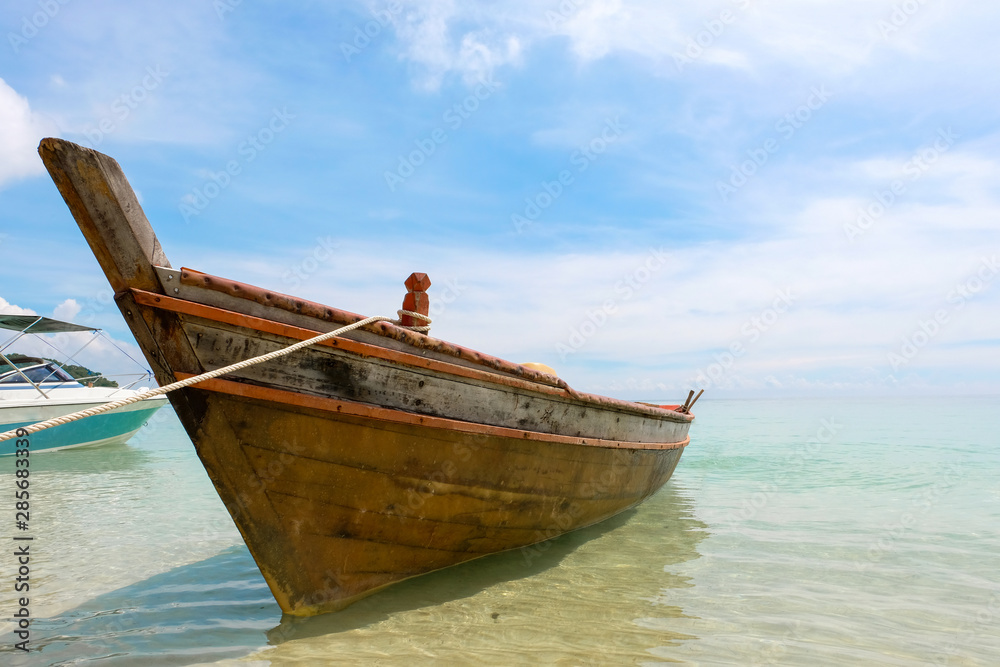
point(800, 532)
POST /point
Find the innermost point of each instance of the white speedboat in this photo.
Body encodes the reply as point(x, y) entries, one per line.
point(34, 390)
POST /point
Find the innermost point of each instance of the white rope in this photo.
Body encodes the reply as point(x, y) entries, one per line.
point(107, 407)
point(416, 316)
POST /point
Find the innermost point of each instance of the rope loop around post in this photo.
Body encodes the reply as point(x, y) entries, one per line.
point(417, 316)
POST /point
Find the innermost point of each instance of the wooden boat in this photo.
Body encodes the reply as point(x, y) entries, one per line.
point(376, 456)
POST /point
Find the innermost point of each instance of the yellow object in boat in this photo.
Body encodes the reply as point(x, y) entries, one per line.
point(534, 365)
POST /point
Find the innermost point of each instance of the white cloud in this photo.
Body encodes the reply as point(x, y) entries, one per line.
point(433, 34)
point(8, 308)
point(20, 131)
point(67, 310)
point(853, 304)
point(857, 300)
point(830, 37)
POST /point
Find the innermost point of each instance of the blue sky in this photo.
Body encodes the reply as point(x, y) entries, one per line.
point(758, 198)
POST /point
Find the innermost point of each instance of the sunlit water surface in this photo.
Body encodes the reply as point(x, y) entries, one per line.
point(793, 532)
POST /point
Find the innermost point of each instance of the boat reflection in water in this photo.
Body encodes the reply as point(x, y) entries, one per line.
point(603, 591)
point(600, 591)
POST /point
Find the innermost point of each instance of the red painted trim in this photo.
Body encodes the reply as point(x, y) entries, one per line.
point(375, 413)
point(361, 349)
point(271, 299)
point(234, 318)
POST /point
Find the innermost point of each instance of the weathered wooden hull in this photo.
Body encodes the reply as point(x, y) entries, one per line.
point(356, 504)
point(374, 457)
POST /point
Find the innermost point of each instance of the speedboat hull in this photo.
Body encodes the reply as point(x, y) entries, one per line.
point(116, 426)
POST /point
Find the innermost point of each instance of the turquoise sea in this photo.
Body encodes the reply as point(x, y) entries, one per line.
point(794, 532)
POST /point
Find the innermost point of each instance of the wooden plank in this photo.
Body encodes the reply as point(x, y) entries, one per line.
point(366, 375)
point(432, 484)
point(203, 289)
point(375, 346)
point(377, 413)
point(108, 213)
point(437, 389)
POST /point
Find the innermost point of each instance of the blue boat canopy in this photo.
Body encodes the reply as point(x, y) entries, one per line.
point(37, 324)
